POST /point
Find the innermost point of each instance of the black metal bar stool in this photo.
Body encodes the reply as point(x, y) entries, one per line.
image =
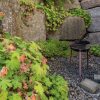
point(80, 46)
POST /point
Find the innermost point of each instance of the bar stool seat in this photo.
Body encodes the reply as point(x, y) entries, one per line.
point(80, 46)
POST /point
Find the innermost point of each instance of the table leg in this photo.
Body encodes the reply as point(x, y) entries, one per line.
point(80, 63)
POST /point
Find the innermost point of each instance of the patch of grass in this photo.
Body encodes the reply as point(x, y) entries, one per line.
point(51, 48)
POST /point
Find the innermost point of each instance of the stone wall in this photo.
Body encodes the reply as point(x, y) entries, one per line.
point(73, 27)
point(31, 28)
point(93, 7)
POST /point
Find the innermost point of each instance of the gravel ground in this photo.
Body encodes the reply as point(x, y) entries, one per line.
point(69, 71)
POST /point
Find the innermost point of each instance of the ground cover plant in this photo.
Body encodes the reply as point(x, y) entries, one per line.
point(23, 73)
point(52, 48)
point(95, 50)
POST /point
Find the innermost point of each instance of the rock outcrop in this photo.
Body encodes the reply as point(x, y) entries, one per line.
point(30, 28)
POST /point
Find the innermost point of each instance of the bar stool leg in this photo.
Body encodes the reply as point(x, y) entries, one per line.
point(87, 59)
point(80, 63)
point(71, 56)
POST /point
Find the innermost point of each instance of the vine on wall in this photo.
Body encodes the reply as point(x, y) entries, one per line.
point(54, 11)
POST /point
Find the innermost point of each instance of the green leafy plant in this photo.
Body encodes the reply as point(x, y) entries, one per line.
point(59, 1)
point(54, 15)
point(56, 87)
point(82, 13)
point(95, 50)
point(51, 48)
point(23, 73)
point(28, 3)
point(27, 7)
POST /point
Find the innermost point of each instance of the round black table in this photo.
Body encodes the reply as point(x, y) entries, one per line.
point(80, 47)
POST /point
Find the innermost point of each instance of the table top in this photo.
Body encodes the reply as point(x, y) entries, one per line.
point(79, 47)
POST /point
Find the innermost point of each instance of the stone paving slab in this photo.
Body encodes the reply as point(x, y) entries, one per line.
point(89, 85)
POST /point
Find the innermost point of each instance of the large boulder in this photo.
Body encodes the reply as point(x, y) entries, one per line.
point(87, 4)
point(94, 38)
point(95, 16)
point(33, 28)
point(72, 28)
point(30, 28)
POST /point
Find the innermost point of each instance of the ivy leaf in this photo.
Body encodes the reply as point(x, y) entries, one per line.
point(5, 83)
